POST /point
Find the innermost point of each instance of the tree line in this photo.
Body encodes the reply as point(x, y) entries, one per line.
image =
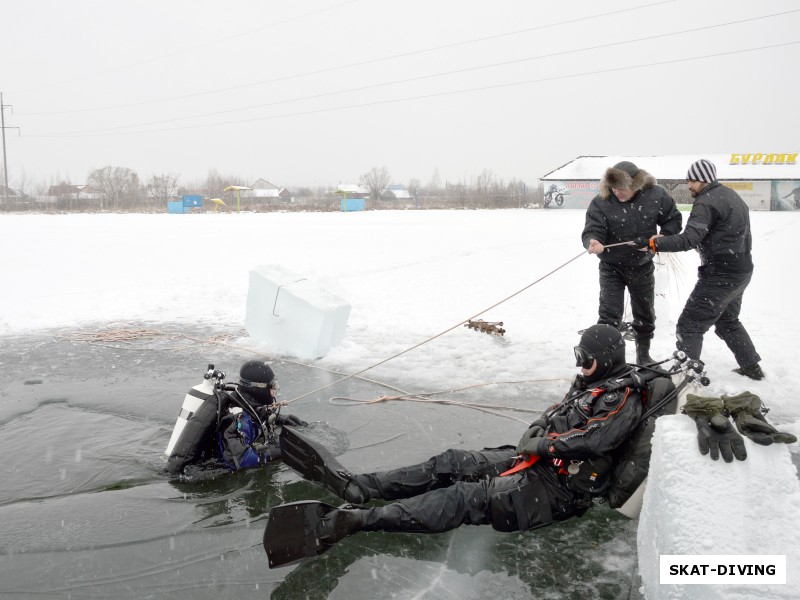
point(120, 189)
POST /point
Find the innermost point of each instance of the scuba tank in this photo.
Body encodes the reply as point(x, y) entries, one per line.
point(194, 433)
point(665, 396)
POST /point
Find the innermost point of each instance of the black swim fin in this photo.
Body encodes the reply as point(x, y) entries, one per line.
point(314, 462)
point(291, 532)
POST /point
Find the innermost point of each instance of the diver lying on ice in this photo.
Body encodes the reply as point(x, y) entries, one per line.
point(593, 444)
point(232, 422)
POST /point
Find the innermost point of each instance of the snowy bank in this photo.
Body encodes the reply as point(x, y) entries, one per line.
point(694, 505)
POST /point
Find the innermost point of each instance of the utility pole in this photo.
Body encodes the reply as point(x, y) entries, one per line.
point(5, 161)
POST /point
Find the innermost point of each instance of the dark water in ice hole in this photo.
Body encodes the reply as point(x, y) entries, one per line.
point(86, 510)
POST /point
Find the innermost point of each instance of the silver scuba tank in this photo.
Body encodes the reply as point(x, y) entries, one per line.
point(194, 430)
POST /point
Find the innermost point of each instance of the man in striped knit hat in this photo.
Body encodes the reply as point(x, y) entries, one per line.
point(719, 229)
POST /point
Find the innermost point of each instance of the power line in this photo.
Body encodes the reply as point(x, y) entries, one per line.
point(442, 74)
point(433, 95)
point(355, 64)
point(183, 51)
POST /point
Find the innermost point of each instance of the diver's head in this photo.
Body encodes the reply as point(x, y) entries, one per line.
point(258, 380)
point(600, 351)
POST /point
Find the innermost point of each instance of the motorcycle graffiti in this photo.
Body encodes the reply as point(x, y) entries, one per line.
point(554, 194)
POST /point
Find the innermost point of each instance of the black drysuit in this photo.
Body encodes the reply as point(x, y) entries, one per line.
point(719, 228)
point(610, 221)
point(585, 432)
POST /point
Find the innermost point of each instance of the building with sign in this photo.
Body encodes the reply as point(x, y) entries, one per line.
point(765, 181)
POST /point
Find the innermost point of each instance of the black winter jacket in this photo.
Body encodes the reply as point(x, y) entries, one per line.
point(719, 228)
point(610, 221)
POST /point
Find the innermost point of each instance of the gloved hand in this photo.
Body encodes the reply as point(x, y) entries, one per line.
point(533, 441)
point(290, 420)
point(715, 433)
point(745, 408)
point(641, 243)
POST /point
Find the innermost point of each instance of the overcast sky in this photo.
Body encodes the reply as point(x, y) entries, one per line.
point(318, 92)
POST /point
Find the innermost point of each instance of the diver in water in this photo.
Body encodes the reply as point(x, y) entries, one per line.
point(232, 422)
point(239, 430)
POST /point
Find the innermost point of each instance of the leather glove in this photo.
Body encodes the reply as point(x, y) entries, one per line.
point(715, 433)
point(533, 439)
point(745, 408)
point(290, 420)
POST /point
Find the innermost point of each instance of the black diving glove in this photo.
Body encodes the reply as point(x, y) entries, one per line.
point(533, 441)
point(290, 420)
point(745, 408)
point(715, 433)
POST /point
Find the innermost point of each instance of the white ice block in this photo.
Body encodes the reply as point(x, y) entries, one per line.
point(694, 505)
point(293, 314)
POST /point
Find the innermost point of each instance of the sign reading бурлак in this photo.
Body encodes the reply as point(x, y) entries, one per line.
point(764, 159)
point(722, 568)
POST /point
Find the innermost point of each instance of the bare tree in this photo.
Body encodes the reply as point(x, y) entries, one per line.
point(436, 182)
point(517, 192)
point(24, 184)
point(376, 181)
point(118, 186)
point(163, 187)
point(213, 186)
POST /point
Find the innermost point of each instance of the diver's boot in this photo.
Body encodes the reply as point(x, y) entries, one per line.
point(643, 352)
point(339, 523)
point(358, 490)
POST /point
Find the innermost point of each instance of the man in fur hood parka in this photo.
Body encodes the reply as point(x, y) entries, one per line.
point(630, 205)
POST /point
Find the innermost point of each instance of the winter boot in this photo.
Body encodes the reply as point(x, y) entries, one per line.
point(752, 371)
point(643, 352)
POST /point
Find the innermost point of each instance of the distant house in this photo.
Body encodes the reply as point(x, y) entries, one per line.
point(352, 190)
point(10, 193)
point(396, 191)
point(261, 188)
point(64, 191)
point(67, 191)
point(88, 192)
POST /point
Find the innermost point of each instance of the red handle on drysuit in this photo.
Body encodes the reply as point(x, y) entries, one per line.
point(521, 464)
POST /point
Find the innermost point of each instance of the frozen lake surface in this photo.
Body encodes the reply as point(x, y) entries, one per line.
point(87, 511)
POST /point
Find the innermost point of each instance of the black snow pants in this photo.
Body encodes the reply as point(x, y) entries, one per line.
point(641, 283)
point(716, 300)
point(461, 487)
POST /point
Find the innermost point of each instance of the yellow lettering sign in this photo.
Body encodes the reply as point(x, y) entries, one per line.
point(764, 159)
point(739, 185)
